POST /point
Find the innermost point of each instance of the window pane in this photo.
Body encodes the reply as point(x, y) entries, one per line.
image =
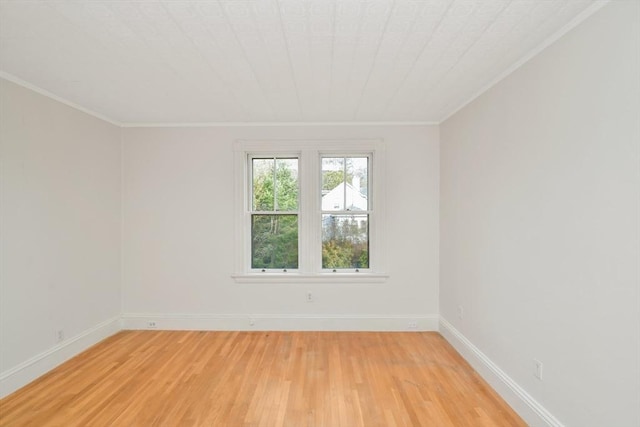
point(357, 183)
point(286, 184)
point(274, 241)
point(262, 172)
point(345, 241)
point(332, 183)
point(345, 183)
point(285, 196)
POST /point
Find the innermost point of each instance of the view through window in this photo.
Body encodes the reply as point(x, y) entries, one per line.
point(274, 213)
point(309, 209)
point(345, 212)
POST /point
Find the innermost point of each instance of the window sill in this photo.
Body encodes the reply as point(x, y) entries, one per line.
point(310, 278)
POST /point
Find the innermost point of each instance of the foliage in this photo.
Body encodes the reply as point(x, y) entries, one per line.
point(335, 255)
point(331, 179)
point(345, 242)
point(274, 241)
point(285, 197)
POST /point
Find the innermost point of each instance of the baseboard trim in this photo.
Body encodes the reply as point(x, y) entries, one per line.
point(27, 371)
point(279, 322)
point(522, 402)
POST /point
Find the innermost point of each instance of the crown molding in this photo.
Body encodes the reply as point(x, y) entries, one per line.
point(43, 92)
point(538, 49)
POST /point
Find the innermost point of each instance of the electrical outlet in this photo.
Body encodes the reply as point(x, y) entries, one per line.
point(60, 335)
point(413, 324)
point(152, 325)
point(537, 369)
point(252, 322)
point(309, 296)
point(460, 312)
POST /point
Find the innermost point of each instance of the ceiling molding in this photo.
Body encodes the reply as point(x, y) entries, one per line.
point(275, 124)
point(16, 80)
point(43, 92)
point(532, 54)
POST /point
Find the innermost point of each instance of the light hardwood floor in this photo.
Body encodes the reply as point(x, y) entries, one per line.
point(196, 378)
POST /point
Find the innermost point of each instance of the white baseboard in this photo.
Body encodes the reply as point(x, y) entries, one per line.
point(279, 322)
point(21, 375)
point(522, 402)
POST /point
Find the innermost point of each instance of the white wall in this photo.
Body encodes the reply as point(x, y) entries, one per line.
point(60, 232)
point(179, 235)
point(540, 191)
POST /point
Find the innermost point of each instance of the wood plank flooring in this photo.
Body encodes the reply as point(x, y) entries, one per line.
point(198, 378)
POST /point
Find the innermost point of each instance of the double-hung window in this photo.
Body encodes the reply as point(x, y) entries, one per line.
point(274, 213)
point(345, 211)
point(309, 210)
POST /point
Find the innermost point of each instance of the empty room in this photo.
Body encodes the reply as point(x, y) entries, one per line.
point(320, 213)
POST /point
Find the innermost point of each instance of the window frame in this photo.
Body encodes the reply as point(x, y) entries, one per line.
point(371, 190)
point(309, 154)
point(250, 192)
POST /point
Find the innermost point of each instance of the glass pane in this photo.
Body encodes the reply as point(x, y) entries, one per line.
point(262, 172)
point(345, 183)
point(274, 241)
point(332, 183)
point(345, 241)
point(357, 183)
point(286, 184)
point(285, 195)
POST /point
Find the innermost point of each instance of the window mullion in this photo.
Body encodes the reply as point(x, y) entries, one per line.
point(344, 189)
point(307, 206)
point(275, 184)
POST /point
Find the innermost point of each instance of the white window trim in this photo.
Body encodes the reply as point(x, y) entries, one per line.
point(310, 253)
point(370, 212)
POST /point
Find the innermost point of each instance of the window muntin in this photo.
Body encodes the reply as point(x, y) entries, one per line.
point(274, 212)
point(345, 211)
